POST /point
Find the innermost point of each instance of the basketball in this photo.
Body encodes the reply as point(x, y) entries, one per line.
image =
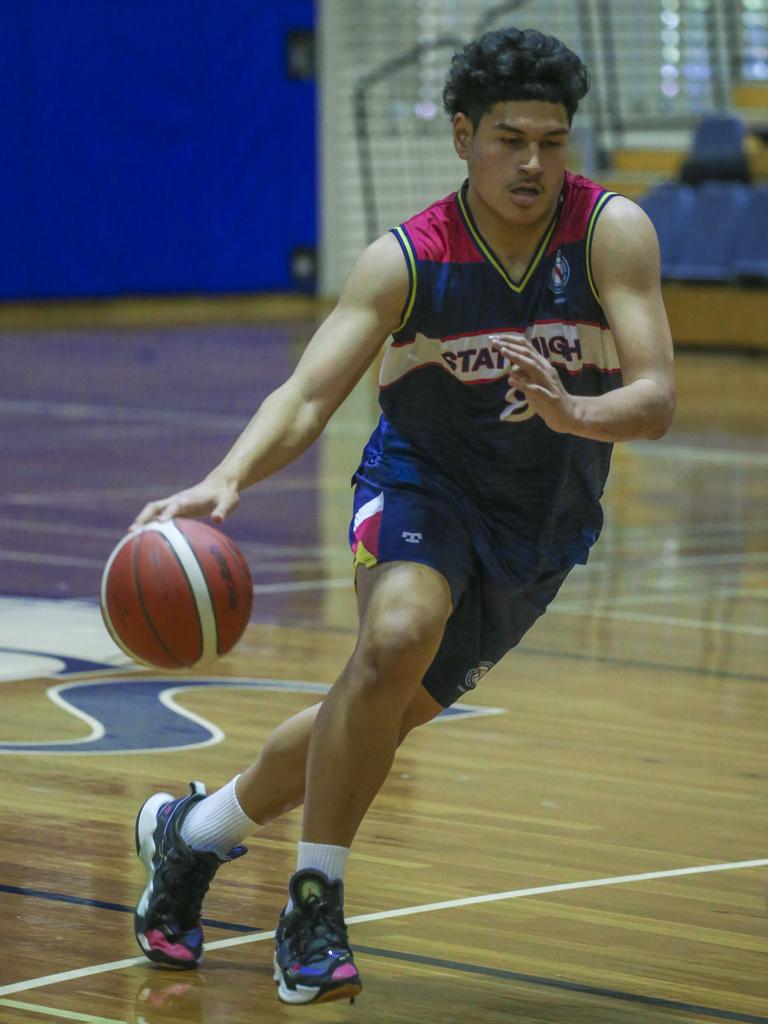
point(176, 594)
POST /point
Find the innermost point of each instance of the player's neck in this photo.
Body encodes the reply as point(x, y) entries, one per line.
point(512, 242)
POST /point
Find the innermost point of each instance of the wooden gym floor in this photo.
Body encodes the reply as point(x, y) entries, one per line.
point(593, 849)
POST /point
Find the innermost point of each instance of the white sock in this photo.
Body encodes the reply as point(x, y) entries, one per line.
point(218, 823)
point(331, 860)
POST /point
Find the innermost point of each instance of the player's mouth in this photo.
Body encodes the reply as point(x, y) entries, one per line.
point(525, 194)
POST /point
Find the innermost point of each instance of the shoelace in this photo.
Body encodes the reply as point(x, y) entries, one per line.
point(314, 930)
point(186, 880)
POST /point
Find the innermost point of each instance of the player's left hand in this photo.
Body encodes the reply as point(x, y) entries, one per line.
point(539, 381)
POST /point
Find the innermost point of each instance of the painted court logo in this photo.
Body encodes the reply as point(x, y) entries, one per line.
point(134, 714)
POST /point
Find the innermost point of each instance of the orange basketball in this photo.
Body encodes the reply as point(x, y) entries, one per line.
point(175, 594)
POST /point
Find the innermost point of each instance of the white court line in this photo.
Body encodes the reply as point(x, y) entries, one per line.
point(51, 1011)
point(689, 592)
point(92, 411)
point(681, 561)
point(327, 584)
point(660, 620)
point(120, 414)
point(74, 498)
point(618, 532)
point(385, 915)
point(338, 583)
point(285, 563)
point(257, 549)
point(693, 453)
point(41, 558)
point(570, 608)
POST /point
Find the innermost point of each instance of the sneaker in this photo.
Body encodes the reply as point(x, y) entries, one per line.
point(313, 961)
point(167, 919)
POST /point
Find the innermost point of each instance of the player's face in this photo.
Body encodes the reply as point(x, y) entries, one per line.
point(516, 157)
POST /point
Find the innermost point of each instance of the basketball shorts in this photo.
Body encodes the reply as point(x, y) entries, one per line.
point(489, 616)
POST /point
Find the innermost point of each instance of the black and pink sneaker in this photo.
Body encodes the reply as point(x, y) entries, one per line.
point(313, 961)
point(167, 918)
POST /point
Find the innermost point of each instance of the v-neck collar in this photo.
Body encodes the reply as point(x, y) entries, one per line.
point(490, 255)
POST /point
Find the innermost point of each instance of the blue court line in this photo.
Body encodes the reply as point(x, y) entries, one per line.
point(430, 961)
point(567, 986)
point(80, 901)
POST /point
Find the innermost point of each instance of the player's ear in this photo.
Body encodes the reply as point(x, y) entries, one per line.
point(462, 134)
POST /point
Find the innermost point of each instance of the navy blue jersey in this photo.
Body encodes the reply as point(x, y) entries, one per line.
point(530, 496)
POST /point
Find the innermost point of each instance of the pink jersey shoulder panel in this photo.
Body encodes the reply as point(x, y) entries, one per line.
point(581, 194)
point(439, 235)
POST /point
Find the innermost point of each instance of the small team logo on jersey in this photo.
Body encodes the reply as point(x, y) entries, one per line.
point(561, 273)
point(411, 538)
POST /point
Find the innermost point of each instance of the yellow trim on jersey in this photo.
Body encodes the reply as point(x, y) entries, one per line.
point(515, 286)
point(364, 557)
point(590, 229)
point(404, 241)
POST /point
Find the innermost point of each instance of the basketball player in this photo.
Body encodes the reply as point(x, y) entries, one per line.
point(529, 334)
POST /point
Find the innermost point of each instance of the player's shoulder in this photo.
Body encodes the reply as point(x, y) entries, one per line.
point(584, 203)
point(594, 201)
point(624, 222)
point(436, 233)
point(378, 277)
point(625, 247)
point(381, 260)
point(605, 217)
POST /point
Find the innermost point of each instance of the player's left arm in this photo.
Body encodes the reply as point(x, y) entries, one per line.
point(625, 268)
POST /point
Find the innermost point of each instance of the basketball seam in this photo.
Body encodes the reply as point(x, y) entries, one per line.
point(143, 607)
point(242, 566)
point(211, 600)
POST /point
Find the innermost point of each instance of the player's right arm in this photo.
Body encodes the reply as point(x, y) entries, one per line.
point(294, 415)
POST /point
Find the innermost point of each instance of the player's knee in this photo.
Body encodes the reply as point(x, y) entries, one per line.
point(401, 640)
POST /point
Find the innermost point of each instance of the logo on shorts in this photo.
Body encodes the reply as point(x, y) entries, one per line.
point(473, 677)
point(411, 538)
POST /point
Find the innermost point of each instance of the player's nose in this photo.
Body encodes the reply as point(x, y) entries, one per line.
point(531, 160)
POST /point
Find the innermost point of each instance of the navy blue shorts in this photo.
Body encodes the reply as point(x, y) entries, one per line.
point(490, 616)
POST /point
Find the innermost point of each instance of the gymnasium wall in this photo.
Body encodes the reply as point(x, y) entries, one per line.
point(655, 67)
point(154, 147)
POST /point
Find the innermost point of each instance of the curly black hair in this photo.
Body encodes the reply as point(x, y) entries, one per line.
point(514, 64)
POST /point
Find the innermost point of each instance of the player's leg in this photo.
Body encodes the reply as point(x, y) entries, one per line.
point(403, 610)
point(274, 783)
point(182, 855)
point(183, 842)
point(313, 961)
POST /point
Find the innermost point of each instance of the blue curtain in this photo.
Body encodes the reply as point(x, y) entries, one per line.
point(153, 146)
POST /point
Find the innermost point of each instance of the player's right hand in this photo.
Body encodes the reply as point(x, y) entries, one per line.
point(209, 497)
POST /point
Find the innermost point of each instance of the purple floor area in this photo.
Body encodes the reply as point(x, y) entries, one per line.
point(94, 423)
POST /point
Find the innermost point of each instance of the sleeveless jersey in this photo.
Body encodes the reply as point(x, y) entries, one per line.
point(529, 495)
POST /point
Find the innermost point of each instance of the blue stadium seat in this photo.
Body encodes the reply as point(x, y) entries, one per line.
point(718, 151)
point(711, 238)
point(752, 248)
point(669, 208)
